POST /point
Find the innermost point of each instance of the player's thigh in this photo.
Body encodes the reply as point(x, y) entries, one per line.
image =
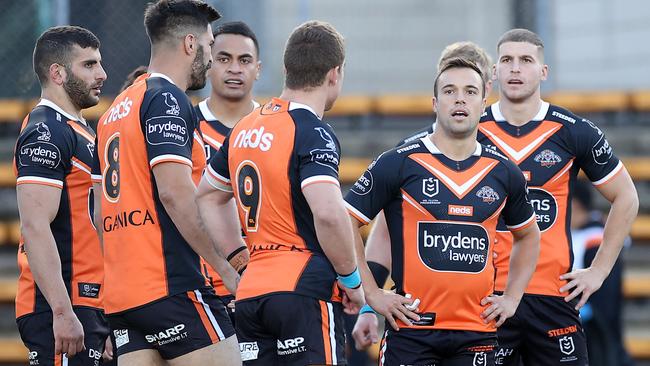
point(223, 353)
point(554, 334)
point(510, 337)
point(143, 357)
point(257, 346)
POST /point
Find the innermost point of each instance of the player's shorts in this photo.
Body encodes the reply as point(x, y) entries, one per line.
point(545, 330)
point(173, 326)
point(226, 299)
point(290, 329)
point(433, 347)
point(38, 336)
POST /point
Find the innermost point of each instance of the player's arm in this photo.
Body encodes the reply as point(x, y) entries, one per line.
point(219, 215)
point(97, 214)
point(620, 191)
point(177, 193)
point(38, 205)
point(378, 250)
point(333, 232)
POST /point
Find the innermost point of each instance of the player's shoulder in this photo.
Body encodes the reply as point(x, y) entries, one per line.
point(164, 87)
point(416, 136)
point(47, 122)
point(573, 123)
point(491, 152)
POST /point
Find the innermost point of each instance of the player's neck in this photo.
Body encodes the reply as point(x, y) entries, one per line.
point(227, 111)
point(314, 98)
point(169, 67)
point(59, 97)
point(454, 148)
point(520, 113)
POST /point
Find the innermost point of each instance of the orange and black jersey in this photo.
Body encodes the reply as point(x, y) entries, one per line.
point(55, 149)
point(146, 257)
point(214, 132)
point(270, 155)
point(418, 135)
point(549, 150)
point(442, 216)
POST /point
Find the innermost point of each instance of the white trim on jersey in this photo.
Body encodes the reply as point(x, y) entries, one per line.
point(213, 179)
point(518, 226)
point(212, 142)
point(606, 178)
point(81, 167)
point(213, 320)
point(51, 104)
point(170, 157)
point(96, 178)
point(316, 178)
point(205, 110)
point(357, 212)
point(39, 179)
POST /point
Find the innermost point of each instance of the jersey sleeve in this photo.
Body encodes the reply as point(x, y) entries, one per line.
point(518, 213)
point(375, 188)
point(318, 152)
point(594, 154)
point(43, 154)
point(168, 125)
point(217, 173)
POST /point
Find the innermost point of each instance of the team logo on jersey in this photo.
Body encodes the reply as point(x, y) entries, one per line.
point(172, 103)
point(545, 207)
point(547, 158)
point(89, 290)
point(430, 187)
point(91, 148)
point(566, 345)
point(44, 131)
point(480, 359)
point(453, 247)
point(330, 144)
point(487, 194)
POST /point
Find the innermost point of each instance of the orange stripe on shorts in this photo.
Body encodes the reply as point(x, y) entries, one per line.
point(325, 325)
point(204, 317)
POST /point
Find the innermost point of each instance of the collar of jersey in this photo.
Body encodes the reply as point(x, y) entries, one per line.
point(207, 113)
point(159, 75)
point(434, 149)
point(498, 116)
point(51, 104)
point(295, 105)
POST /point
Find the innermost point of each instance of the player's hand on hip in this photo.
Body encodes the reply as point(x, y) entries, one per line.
point(230, 279)
point(68, 333)
point(355, 298)
point(501, 308)
point(582, 281)
point(393, 306)
point(365, 331)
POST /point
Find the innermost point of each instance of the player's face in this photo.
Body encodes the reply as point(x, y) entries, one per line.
point(460, 101)
point(84, 77)
point(335, 89)
point(202, 60)
point(235, 67)
point(519, 70)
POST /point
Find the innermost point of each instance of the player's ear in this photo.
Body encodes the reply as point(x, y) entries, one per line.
point(259, 69)
point(57, 74)
point(190, 44)
point(544, 72)
point(494, 72)
point(433, 104)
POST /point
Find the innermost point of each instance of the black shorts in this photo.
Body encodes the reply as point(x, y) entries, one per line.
point(173, 326)
point(432, 347)
point(226, 299)
point(36, 332)
point(290, 329)
point(545, 330)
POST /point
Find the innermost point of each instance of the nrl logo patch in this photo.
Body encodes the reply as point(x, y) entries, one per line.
point(430, 187)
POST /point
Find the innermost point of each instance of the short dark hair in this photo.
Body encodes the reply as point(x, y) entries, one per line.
point(313, 49)
point(458, 63)
point(239, 28)
point(54, 47)
point(521, 35)
point(169, 19)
